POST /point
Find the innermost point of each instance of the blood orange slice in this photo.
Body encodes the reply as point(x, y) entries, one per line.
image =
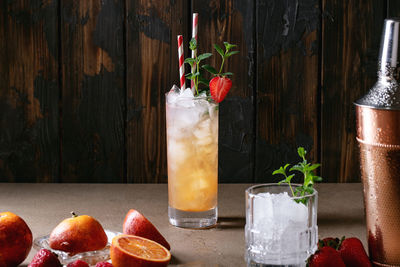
point(130, 250)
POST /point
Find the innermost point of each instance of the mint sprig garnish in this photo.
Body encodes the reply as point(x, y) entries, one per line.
point(194, 64)
point(197, 72)
point(307, 169)
point(224, 56)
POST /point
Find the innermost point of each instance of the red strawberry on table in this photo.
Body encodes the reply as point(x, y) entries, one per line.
point(219, 87)
point(44, 258)
point(104, 264)
point(78, 263)
point(326, 257)
point(353, 253)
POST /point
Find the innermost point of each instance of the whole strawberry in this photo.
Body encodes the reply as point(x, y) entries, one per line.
point(104, 264)
point(78, 263)
point(45, 258)
point(326, 257)
point(353, 253)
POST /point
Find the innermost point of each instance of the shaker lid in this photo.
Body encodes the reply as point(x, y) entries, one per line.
point(385, 94)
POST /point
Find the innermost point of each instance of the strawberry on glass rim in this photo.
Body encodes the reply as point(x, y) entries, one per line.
point(219, 88)
point(219, 85)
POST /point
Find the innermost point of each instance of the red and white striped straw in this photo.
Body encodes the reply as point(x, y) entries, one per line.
point(194, 35)
point(181, 65)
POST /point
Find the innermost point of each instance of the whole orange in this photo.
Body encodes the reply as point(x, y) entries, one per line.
point(78, 234)
point(15, 240)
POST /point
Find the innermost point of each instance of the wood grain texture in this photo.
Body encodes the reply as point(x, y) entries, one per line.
point(152, 69)
point(29, 93)
point(93, 96)
point(232, 21)
point(348, 72)
point(287, 83)
point(393, 9)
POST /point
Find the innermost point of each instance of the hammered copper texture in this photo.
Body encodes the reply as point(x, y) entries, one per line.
point(378, 133)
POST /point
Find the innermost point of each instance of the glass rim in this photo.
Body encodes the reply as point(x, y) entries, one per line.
point(277, 185)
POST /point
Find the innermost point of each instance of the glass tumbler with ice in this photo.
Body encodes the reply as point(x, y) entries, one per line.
point(281, 230)
point(192, 155)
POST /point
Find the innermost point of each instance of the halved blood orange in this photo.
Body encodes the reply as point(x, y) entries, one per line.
point(130, 251)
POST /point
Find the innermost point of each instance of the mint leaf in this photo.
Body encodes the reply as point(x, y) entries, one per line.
point(309, 178)
point(313, 167)
point(203, 80)
point(301, 152)
point(289, 178)
point(227, 74)
point(193, 44)
point(296, 168)
point(317, 179)
point(281, 170)
point(228, 46)
point(203, 56)
point(231, 53)
point(209, 68)
point(219, 50)
point(286, 166)
point(282, 181)
point(190, 61)
point(204, 83)
point(192, 76)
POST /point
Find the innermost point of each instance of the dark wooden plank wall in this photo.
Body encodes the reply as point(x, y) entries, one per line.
point(83, 83)
point(287, 83)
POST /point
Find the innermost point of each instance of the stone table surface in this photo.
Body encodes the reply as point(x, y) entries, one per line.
point(43, 206)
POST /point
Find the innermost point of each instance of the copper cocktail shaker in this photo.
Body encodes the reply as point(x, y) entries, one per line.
point(378, 135)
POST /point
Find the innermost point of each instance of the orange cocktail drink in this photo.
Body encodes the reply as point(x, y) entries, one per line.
point(192, 146)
